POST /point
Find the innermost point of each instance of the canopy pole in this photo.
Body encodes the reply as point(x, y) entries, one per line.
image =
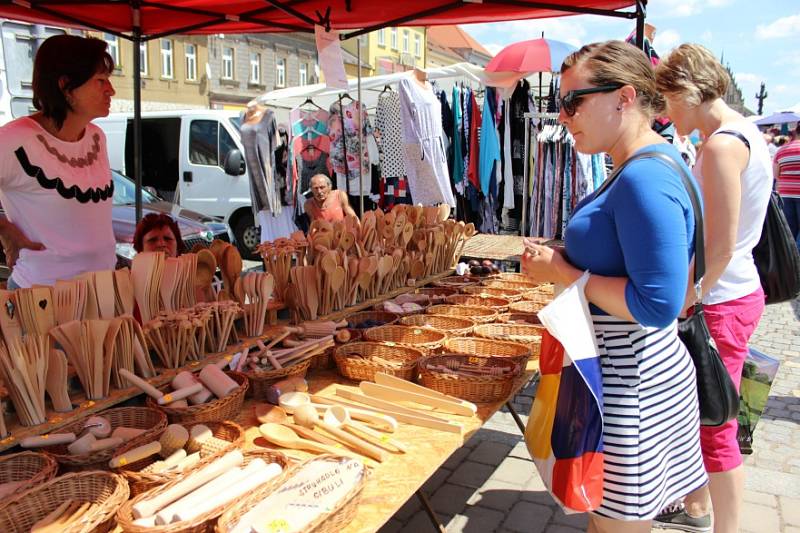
point(360, 134)
point(641, 12)
point(137, 110)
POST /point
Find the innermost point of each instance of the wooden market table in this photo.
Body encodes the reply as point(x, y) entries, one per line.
point(401, 476)
point(494, 247)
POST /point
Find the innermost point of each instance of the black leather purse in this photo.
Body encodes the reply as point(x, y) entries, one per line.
point(717, 395)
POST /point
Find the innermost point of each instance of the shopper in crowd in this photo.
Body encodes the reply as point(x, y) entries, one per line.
point(635, 237)
point(55, 181)
point(158, 232)
point(735, 174)
point(787, 172)
point(325, 203)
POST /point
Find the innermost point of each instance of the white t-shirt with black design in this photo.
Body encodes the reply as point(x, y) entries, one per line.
point(60, 194)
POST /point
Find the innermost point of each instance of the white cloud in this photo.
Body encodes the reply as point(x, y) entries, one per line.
point(783, 27)
point(494, 48)
point(781, 88)
point(707, 36)
point(567, 29)
point(747, 77)
point(682, 8)
point(666, 40)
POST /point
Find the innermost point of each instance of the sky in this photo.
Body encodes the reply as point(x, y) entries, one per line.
point(758, 39)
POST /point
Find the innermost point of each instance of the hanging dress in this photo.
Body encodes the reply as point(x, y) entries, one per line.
point(389, 136)
point(425, 159)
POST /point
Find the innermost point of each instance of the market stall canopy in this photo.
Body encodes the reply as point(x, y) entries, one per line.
point(783, 117)
point(155, 19)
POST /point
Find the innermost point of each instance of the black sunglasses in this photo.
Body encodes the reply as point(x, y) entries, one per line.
point(570, 101)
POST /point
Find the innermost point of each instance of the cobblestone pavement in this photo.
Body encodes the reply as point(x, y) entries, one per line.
point(490, 484)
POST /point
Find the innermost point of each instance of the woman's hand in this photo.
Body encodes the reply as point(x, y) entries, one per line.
point(13, 241)
point(545, 264)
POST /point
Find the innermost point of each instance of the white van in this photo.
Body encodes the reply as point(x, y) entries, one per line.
point(194, 158)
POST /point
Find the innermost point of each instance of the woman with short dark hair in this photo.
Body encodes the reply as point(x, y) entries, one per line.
point(158, 232)
point(55, 180)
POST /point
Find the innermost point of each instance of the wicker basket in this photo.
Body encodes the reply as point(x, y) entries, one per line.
point(512, 295)
point(514, 351)
point(29, 468)
point(529, 306)
point(538, 296)
point(479, 300)
point(422, 339)
point(203, 523)
point(474, 388)
point(480, 315)
point(511, 276)
point(437, 293)
point(456, 281)
point(520, 318)
point(323, 361)
point(106, 490)
point(152, 420)
point(355, 360)
point(140, 482)
point(260, 380)
point(359, 318)
point(332, 522)
point(527, 334)
point(451, 325)
point(226, 408)
point(516, 285)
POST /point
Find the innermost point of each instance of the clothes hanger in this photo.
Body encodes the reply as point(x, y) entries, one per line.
point(345, 95)
point(387, 87)
point(311, 102)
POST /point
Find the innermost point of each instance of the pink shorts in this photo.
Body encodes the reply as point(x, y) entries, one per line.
point(731, 324)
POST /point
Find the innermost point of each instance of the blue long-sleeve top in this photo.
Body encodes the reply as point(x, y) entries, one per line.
point(641, 227)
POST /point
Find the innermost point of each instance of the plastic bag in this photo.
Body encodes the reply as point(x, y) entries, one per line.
point(564, 434)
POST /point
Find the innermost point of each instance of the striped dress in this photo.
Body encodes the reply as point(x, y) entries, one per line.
point(651, 422)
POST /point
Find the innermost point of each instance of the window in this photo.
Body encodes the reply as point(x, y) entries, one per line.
point(255, 68)
point(191, 62)
point(394, 38)
point(113, 47)
point(405, 40)
point(280, 73)
point(166, 58)
point(417, 45)
point(208, 143)
point(303, 74)
point(382, 37)
point(143, 59)
point(227, 63)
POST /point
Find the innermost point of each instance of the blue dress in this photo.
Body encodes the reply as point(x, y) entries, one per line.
point(642, 227)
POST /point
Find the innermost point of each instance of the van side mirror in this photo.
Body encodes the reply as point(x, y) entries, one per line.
point(234, 163)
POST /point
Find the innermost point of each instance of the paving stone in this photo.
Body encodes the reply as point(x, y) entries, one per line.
point(475, 520)
point(557, 528)
point(450, 499)
point(767, 500)
point(790, 510)
point(514, 471)
point(456, 458)
point(496, 495)
point(528, 517)
point(490, 453)
point(411, 506)
point(520, 450)
point(436, 480)
point(470, 474)
point(392, 526)
point(579, 521)
point(758, 518)
point(535, 491)
point(421, 522)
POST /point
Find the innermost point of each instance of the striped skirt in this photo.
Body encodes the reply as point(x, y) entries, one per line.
point(651, 427)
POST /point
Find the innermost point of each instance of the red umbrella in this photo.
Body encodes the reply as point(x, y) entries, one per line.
point(537, 55)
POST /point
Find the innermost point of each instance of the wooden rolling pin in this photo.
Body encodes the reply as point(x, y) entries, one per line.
point(211, 471)
point(82, 445)
point(50, 439)
point(127, 434)
point(136, 454)
point(105, 444)
point(184, 379)
point(136, 381)
point(180, 394)
point(217, 381)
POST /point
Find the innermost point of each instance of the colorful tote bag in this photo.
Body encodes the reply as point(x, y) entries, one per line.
point(564, 434)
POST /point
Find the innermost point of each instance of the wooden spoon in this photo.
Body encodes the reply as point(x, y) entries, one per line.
point(306, 415)
point(266, 413)
point(285, 437)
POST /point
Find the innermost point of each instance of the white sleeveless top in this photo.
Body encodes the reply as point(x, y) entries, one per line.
point(740, 278)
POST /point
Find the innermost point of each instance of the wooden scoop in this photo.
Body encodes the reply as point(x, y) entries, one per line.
point(266, 413)
point(285, 437)
point(306, 415)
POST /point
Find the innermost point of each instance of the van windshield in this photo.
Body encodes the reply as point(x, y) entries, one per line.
point(237, 123)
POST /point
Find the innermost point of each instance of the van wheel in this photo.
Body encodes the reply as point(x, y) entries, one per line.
point(247, 236)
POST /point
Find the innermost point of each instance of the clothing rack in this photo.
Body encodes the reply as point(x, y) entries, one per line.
point(526, 170)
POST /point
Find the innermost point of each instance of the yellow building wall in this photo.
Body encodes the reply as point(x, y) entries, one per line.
point(372, 50)
point(157, 88)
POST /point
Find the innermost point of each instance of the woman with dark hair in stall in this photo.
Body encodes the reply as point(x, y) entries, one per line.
point(55, 180)
point(158, 232)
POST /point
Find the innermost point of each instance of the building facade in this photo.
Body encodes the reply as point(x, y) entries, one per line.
point(451, 43)
point(243, 67)
point(389, 50)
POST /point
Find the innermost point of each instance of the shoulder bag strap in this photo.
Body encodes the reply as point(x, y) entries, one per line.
point(737, 135)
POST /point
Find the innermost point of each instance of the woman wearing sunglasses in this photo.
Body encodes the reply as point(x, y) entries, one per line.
point(735, 173)
point(635, 236)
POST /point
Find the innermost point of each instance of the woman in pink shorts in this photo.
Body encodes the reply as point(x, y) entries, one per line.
point(735, 173)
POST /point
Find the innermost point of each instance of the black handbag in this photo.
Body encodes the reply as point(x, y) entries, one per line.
point(716, 393)
point(776, 255)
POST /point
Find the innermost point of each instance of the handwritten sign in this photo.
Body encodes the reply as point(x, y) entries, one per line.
point(330, 58)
